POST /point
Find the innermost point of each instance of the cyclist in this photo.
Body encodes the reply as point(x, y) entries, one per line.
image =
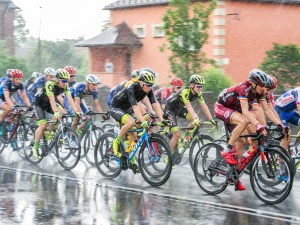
point(8, 87)
point(163, 93)
point(128, 100)
point(78, 92)
point(50, 99)
point(233, 106)
point(7, 75)
point(72, 71)
point(179, 104)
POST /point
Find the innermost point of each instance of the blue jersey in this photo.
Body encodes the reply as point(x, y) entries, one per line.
point(289, 100)
point(7, 85)
point(79, 91)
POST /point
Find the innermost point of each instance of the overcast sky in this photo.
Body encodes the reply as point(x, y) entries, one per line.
point(64, 19)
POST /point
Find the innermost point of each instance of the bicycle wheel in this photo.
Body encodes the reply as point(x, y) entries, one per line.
point(268, 170)
point(155, 167)
point(196, 144)
point(68, 148)
point(90, 140)
point(108, 126)
point(210, 169)
point(29, 143)
point(107, 164)
point(20, 140)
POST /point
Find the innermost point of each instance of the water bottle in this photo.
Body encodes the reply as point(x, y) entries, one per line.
point(126, 145)
point(247, 154)
point(132, 145)
point(11, 127)
point(185, 141)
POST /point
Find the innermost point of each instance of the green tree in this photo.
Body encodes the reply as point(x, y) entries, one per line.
point(283, 62)
point(20, 32)
point(186, 35)
point(8, 61)
point(216, 81)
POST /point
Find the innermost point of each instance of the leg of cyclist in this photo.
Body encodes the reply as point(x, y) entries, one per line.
point(6, 109)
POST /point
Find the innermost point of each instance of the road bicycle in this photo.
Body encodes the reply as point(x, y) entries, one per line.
point(188, 147)
point(14, 129)
point(213, 174)
point(64, 144)
point(152, 147)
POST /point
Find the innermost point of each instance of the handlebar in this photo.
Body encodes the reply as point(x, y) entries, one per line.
point(267, 128)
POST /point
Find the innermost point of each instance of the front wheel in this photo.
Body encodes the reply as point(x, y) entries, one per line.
point(68, 148)
point(155, 160)
point(20, 140)
point(29, 143)
point(210, 169)
point(265, 179)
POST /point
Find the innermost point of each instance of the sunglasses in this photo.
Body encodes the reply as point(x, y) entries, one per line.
point(261, 85)
point(64, 81)
point(177, 87)
point(72, 75)
point(199, 86)
point(148, 85)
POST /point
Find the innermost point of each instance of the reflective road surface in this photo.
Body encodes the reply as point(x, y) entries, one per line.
point(47, 194)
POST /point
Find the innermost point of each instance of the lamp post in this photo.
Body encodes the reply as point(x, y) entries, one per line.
point(39, 50)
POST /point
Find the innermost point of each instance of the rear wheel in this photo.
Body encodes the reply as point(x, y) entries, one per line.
point(210, 169)
point(29, 143)
point(107, 164)
point(20, 140)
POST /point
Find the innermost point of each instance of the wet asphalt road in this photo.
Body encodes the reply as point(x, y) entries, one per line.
point(47, 194)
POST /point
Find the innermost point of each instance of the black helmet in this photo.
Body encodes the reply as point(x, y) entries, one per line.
point(8, 72)
point(259, 77)
point(135, 73)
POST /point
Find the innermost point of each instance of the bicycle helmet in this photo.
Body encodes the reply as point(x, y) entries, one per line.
point(62, 74)
point(135, 73)
point(8, 72)
point(49, 71)
point(147, 76)
point(36, 75)
point(196, 79)
point(71, 70)
point(176, 81)
point(16, 73)
point(92, 79)
point(258, 77)
point(273, 83)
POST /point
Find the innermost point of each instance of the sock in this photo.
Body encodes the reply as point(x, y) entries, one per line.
point(36, 145)
point(282, 168)
point(118, 139)
point(229, 148)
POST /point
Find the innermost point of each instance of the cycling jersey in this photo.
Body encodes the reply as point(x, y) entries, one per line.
point(162, 94)
point(286, 107)
point(7, 85)
point(28, 82)
point(128, 97)
point(51, 88)
point(185, 95)
point(37, 85)
point(230, 97)
point(79, 91)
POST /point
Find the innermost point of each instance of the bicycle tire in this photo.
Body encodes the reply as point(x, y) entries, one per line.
point(160, 170)
point(268, 194)
point(29, 143)
point(108, 126)
point(208, 166)
point(20, 133)
point(203, 139)
point(89, 143)
point(106, 163)
point(68, 156)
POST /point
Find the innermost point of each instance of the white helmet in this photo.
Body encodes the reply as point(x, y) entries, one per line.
point(92, 79)
point(49, 71)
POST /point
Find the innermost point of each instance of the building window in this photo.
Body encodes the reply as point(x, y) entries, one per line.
point(219, 51)
point(219, 21)
point(219, 32)
point(128, 64)
point(220, 12)
point(219, 41)
point(140, 30)
point(157, 30)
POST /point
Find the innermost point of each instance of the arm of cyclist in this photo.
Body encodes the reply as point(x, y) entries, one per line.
point(249, 116)
point(98, 105)
point(138, 114)
point(158, 111)
point(148, 105)
point(269, 114)
point(271, 107)
point(54, 107)
point(60, 99)
point(7, 98)
point(207, 113)
point(73, 105)
point(24, 98)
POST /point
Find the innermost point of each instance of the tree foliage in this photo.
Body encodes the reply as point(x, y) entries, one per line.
point(186, 34)
point(283, 62)
point(216, 81)
point(20, 32)
point(8, 61)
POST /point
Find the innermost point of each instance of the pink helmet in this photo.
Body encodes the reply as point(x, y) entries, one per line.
point(71, 70)
point(176, 81)
point(16, 74)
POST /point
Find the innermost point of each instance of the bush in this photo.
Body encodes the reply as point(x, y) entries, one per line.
point(216, 81)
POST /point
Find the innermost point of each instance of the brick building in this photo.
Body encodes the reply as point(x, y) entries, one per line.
point(7, 16)
point(240, 34)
